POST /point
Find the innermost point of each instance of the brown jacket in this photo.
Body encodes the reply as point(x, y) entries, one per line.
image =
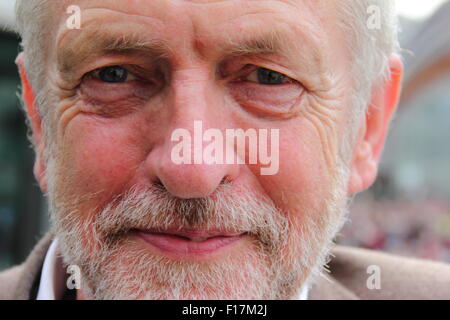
point(400, 278)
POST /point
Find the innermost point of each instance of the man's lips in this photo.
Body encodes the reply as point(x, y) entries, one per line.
point(189, 243)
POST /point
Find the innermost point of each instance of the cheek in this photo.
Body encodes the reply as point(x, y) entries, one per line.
point(302, 184)
point(100, 157)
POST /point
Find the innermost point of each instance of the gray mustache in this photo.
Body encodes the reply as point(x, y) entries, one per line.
point(153, 207)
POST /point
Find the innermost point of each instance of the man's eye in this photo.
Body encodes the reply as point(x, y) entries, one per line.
point(267, 77)
point(113, 74)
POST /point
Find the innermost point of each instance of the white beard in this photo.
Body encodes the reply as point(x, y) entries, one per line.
point(278, 264)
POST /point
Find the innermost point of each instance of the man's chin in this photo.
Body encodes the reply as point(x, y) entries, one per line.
point(134, 270)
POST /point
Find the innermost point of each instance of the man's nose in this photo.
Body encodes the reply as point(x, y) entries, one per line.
point(191, 180)
point(195, 106)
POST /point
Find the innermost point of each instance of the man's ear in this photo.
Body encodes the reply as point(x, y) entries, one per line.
point(374, 128)
point(28, 98)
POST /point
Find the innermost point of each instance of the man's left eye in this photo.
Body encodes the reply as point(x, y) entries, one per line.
point(113, 74)
point(267, 77)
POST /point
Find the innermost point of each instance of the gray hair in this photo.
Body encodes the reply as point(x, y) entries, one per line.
point(370, 46)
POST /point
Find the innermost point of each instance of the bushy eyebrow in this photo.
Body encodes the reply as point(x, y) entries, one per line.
point(101, 42)
point(271, 42)
point(130, 43)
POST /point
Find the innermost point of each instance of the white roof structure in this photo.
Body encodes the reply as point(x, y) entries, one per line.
point(430, 42)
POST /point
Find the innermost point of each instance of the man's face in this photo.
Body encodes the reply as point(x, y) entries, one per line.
point(140, 225)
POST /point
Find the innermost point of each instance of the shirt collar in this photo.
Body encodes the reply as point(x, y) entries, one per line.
point(52, 284)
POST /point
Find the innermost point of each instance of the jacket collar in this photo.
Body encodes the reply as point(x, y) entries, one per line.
point(326, 287)
point(27, 284)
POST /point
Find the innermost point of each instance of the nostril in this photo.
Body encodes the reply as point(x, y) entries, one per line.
point(191, 181)
point(159, 185)
point(226, 180)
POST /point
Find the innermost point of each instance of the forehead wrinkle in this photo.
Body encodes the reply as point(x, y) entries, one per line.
point(262, 28)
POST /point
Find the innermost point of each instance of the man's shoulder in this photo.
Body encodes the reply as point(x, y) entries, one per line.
point(19, 282)
point(376, 275)
point(9, 281)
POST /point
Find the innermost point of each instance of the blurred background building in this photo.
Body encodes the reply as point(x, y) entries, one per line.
point(407, 211)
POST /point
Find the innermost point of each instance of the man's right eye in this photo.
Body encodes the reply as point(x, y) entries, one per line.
point(113, 74)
